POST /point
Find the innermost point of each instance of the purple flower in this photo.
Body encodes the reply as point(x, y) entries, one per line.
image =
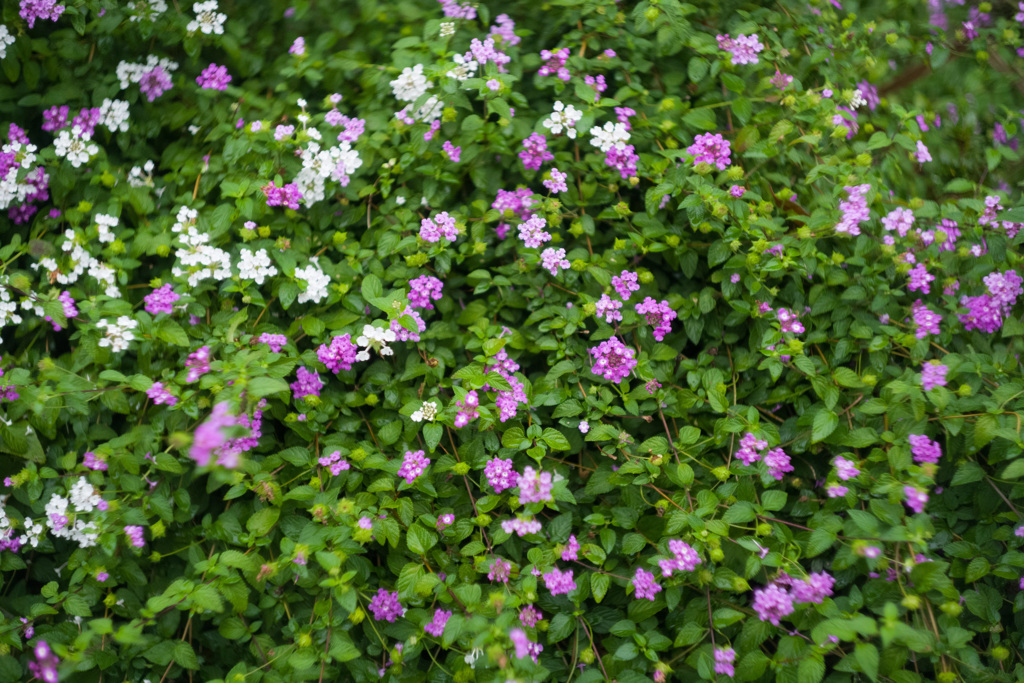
point(532, 232)
point(724, 657)
point(298, 47)
point(335, 463)
point(772, 603)
point(556, 181)
point(870, 94)
point(275, 341)
point(441, 225)
point(571, 550)
point(287, 196)
point(436, 627)
point(712, 149)
point(836, 490)
point(413, 465)
point(559, 582)
point(135, 535)
point(530, 615)
point(160, 395)
point(750, 445)
point(161, 300)
point(927, 321)
point(385, 606)
point(613, 360)
point(920, 279)
point(535, 151)
point(500, 570)
point(45, 666)
point(554, 63)
point(609, 309)
point(781, 80)
point(846, 469)
point(524, 646)
point(924, 449)
point(625, 284)
point(622, 159)
point(854, 209)
point(154, 82)
point(737, 191)
point(453, 152)
point(685, 558)
point(210, 436)
point(777, 462)
point(645, 585)
point(422, 290)
point(815, 588)
point(30, 11)
point(915, 498)
point(553, 259)
point(659, 314)
point(307, 384)
point(340, 355)
point(468, 409)
point(214, 77)
point(742, 49)
point(534, 486)
point(500, 474)
point(933, 375)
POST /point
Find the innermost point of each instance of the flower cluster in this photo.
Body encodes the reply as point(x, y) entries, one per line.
point(613, 360)
point(711, 148)
point(742, 49)
point(334, 462)
point(413, 465)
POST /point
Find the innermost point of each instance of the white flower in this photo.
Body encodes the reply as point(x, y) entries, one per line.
point(118, 334)
point(83, 496)
point(114, 115)
point(145, 9)
point(208, 19)
point(608, 136)
point(428, 411)
point(376, 338)
point(410, 84)
point(447, 28)
point(857, 100)
point(141, 177)
point(301, 103)
point(563, 117)
point(463, 68)
point(316, 282)
point(194, 129)
point(400, 200)
point(5, 39)
point(473, 656)
point(103, 225)
point(255, 266)
point(75, 146)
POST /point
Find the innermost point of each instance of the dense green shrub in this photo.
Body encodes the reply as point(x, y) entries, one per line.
point(562, 340)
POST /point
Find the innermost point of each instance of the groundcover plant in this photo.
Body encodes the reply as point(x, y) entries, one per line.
point(575, 340)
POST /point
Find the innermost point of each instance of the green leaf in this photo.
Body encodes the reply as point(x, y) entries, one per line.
point(432, 434)
point(555, 439)
point(259, 387)
point(568, 408)
point(260, 523)
point(825, 422)
point(599, 584)
point(866, 656)
point(372, 287)
point(811, 669)
point(419, 539)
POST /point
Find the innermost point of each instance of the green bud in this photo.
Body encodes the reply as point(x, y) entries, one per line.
point(788, 101)
point(764, 529)
point(651, 14)
point(163, 250)
point(863, 159)
point(964, 391)
point(312, 400)
point(869, 379)
point(645, 276)
point(721, 473)
point(338, 238)
point(704, 168)
point(764, 207)
point(579, 265)
point(837, 258)
point(587, 656)
point(891, 38)
point(461, 468)
point(479, 247)
point(916, 203)
point(247, 234)
point(911, 602)
point(483, 520)
point(719, 210)
point(982, 55)
point(264, 231)
point(619, 244)
point(734, 173)
point(947, 677)
point(716, 555)
point(417, 260)
point(371, 399)
point(589, 308)
point(740, 585)
point(869, 128)
point(1000, 653)
point(672, 240)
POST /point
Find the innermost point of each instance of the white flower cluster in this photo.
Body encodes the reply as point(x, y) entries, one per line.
point(103, 225)
point(411, 84)
point(128, 73)
point(5, 39)
point(118, 334)
point(376, 338)
point(201, 261)
point(141, 176)
point(13, 190)
point(255, 266)
point(114, 115)
point(336, 163)
point(76, 146)
point(208, 19)
point(6, 532)
point(33, 532)
point(464, 68)
point(84, 500)
point(316, 282)
point(563, 117)
point(145, 9)
point(608, 136)
point(8, 309)
point(428, 411)
point(80, 260)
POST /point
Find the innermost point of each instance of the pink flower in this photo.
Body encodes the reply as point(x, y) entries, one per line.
point(613, 360)
point(413, 465)
point(553, 259)
point(436, 626)
point(214, 77)
point(500, 474)
point(645, 585)
point(625, 283)
point(772, 603)
point(559, 582)
point(385, 606)
point(712, 149)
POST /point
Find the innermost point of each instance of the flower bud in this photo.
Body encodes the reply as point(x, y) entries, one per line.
point(672, 240)
point(764, 529)
point(911, 602)
point(964, 391)
point(372, 399)
point(952, 608)
point(357, 615)
point(716, 555)
point(645, 276)
point(721, 473)
point(1000, 653)
point(891, 38)
point(461, 468)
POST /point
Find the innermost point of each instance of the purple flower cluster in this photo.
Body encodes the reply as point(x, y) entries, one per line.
point(750, 446)
point(90, 460)
point(927, 321)
point(40, 9)
point(530, 615)
point(483, 51)
point(154, 82)
point(609, 309)
point(70, 311)
point(161, 395)
point(441, 225)
point(198, 363)
point(613, 360)
point(521, 526)
point(623, 159)
point(777, 462)
point(571, 550)
point(915, 498)
point(385, 606)
point(454, 153)
point(524, 646)
point(711, 148)
point(535, 151)
point(275, 341)
point(933, 375)
point(724, 657)
point(743, 49)
point(335, 462)
point(659, 314)
point(846, 469)
point(532, 231)
point(308, 383)
point(645, 585)
point(685, 558)
point(500, 474)
point(854, 209)
point(507, 401)
point(404, 334)
point(161, 300)
point(340, 355)
point(288, 196)
point(556, 181)
point(924, 449)
point(214, 77)
point(135, 535)
point(772, 603)
point(554, 63)
point(920, 279)
point(55, 118)
point(468, 409)
point(553, 259)
point(227, 454)
point(436, 626)
point(45, 666)
point(534, 486)
point(900, 220)
point(500, 571)
point(815, 588)
point(413, 465)
point(559, 582)
point(625, 283)
point(422, 290)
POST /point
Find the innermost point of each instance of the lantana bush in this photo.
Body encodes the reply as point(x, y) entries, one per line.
point(553, 340)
